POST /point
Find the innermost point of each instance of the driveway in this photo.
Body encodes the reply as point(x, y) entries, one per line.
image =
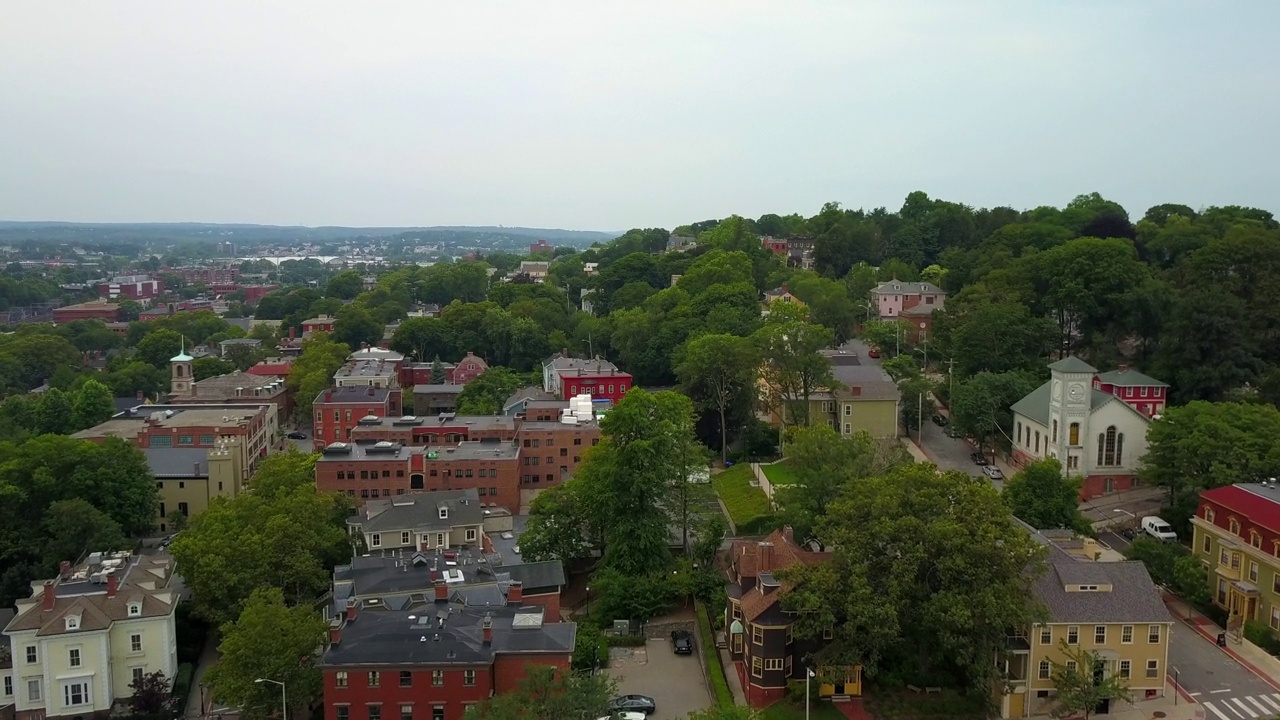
point(675, 682)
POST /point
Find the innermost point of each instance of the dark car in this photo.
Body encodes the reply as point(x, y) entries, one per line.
point(952, 432)
point(295, 435)
point(979, 459)
point(682, 641)
point(939, 421)
point(634, 703)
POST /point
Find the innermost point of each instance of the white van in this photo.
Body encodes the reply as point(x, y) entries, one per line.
point(1158, 529)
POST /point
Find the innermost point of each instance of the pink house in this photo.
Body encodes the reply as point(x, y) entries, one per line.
point(468, 369)
point(1140, 392)
point(894, 296)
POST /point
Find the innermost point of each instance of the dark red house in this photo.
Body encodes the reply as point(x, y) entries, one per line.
point(338, 410)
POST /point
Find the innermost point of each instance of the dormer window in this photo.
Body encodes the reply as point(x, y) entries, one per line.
point(73, 622)
point(444, 512)
point(1234, 526)
point(1208, 514)
point(135, 609)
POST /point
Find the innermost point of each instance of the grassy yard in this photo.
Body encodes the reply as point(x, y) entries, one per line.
point(904, 704)
point(786, 710)
point(779, 473)
point(747, 505)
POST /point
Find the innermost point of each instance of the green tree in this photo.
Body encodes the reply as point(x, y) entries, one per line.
point(887, 335)
point(1205, 445)
point(980, 404)
point(1042, 497)
point(284, 534)
point(927, 574)
point(719, 372)
point(825, 465)
point(561, 525)
point(546, 693)
point(1082, 682)
point(793, 367)
point(269, 639)
point(356, 327)
point(344, 285)
point(159, 347)
point(74, 527)
point(486, 394)
point(53, 412)
point(150, 693)
point(209, 366)
point(999, 337)
point(93, 404)
point(313, 370)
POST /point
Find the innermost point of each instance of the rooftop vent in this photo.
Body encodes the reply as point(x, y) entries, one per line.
point(370, 420)
point(338, 448)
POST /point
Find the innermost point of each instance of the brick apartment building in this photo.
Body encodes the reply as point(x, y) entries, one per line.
point(337, 411)
point(92, 310)
point(323, 323)
point(427, 431)
point(461, 373)
point(207, 276)
point(366, 471)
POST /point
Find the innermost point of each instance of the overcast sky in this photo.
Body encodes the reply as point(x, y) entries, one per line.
point(602, 114)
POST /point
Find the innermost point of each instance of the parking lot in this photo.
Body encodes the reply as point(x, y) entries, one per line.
point(675, 682)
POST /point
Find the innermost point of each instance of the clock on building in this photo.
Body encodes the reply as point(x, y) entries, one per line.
point(1076, 392)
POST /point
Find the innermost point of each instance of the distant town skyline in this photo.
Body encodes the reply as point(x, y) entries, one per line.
point(631, 114)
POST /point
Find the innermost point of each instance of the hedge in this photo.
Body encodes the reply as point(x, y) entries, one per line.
point(711, 657)
point(182, 686)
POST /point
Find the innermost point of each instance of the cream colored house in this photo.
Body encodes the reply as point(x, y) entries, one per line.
point(1110, 608)
point(441, 520)
point(83, 637)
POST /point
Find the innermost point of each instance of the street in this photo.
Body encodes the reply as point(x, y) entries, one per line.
point(1227, 689)
point(948, 453)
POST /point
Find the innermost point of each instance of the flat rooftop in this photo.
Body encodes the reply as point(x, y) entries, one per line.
point(354, 395)
point(434, 423)
point(347, 452)
point(366, 368)
point(128, 423)
point(472, 450)
point(440, 389)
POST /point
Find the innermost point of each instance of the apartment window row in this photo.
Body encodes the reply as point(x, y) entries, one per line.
point(1124, 669)
point(373, 678)
point(1100, 633)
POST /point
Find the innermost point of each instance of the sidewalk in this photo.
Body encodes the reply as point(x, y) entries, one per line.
point(1246, 653)
point(731, 675)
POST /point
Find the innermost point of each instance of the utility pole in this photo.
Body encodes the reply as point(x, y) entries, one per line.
point(951, 376)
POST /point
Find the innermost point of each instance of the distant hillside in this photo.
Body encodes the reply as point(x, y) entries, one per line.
point(244, 233)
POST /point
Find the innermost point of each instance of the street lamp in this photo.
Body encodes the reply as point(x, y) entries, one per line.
point(284, 700)
point(808, 675)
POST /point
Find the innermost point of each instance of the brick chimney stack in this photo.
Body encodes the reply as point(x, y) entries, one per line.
point(442, 591)
point(486, 626)
point(113, 585)
point(64, 569)
point(353, 609)
point(515, 592)
point(764, 558)
point(335, 634)
point(48, 598)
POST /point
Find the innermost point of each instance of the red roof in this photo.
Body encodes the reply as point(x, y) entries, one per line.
point(272, 369)
point(1257, 507)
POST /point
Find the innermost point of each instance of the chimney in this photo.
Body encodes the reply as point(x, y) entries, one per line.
point(855, 391)
point(486, 626)
point(564, 352)
point(353, 609)
point(789, 534)
point(113, 585)
point(515, 592)
point(141, 396)
point(292, 333)
point(1122, 368)
point(64, 569)
point(764, 561)
point(48, 597)
point(335, 634)
point(328, 395)
point(442, 591)
point(784, 288)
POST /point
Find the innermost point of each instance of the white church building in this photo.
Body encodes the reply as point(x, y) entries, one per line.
point(1094, 424)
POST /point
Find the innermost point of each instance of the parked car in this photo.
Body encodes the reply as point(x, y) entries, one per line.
point(295, 435)
point(633, 703)
point(952, 432)
point(939, 421)
point(992, 472)
point(682, 641)
point(873, 352)
point(624, 715)
point(1158, 529)
point(978, 458)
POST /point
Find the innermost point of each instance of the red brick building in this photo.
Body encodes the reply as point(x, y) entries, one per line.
point(777, 246)
point(272, 367)
point(371, 470)
point(338, 410)
point(566, 377)
point(323, 323)
point(94, 310)
point(134, 287)
point(207, 276)
point(435, 657)
point(1140, 392)
point(424, 431)
point(466, 370)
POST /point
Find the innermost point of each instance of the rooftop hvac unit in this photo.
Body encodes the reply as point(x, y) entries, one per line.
point(569, 419)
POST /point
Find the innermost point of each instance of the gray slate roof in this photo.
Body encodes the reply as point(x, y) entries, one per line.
point(874, 383)
point(1134, 598)
point(421, 511)
point(906, 288)
point(177, 462)
point(1129, 378)
point(1073, 364)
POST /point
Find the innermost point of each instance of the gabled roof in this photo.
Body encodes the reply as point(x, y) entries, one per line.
point(1133, 597)
point(1129, 377)
point(421, 511)
point(1072, 364)
point(1035, 405)
point(1261, 505)
point(745, 559)
point(898, 287)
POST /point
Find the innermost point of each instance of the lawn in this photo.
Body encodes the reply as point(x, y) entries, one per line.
point(748, 506)
point(779, 473)
point(785, 710)
point(902, 704)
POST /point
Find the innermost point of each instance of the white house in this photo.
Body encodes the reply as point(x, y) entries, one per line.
point(1094, 434)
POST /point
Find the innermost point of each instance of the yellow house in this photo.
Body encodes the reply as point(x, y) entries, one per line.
point(189, 478)
point(865, 400)
point(82, 638)
point(1111, 608)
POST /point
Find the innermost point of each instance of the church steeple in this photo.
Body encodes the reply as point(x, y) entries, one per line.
point(180, 379)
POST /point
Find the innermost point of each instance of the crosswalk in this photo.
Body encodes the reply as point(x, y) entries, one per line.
point(1249, 707)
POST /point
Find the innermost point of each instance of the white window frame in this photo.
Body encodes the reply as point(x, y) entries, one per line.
point(1154, 633)
point(405, 537)
point(1126, 669)
point(74, 657)
point(1046, 635)
point(375, 540)
point(1045, 671)
point(35, 693)
point(86, 691)
point(135, 609)
point(135, 642)
point(471, 534)
point(1126, 635)
point(1153, 669)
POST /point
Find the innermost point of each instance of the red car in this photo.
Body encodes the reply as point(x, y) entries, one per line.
point(873, 352)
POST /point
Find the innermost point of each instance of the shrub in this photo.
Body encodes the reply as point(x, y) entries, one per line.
point(1259, 634)
point(711, 658)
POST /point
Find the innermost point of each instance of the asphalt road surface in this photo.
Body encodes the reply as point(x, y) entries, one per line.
point(1227, 689)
